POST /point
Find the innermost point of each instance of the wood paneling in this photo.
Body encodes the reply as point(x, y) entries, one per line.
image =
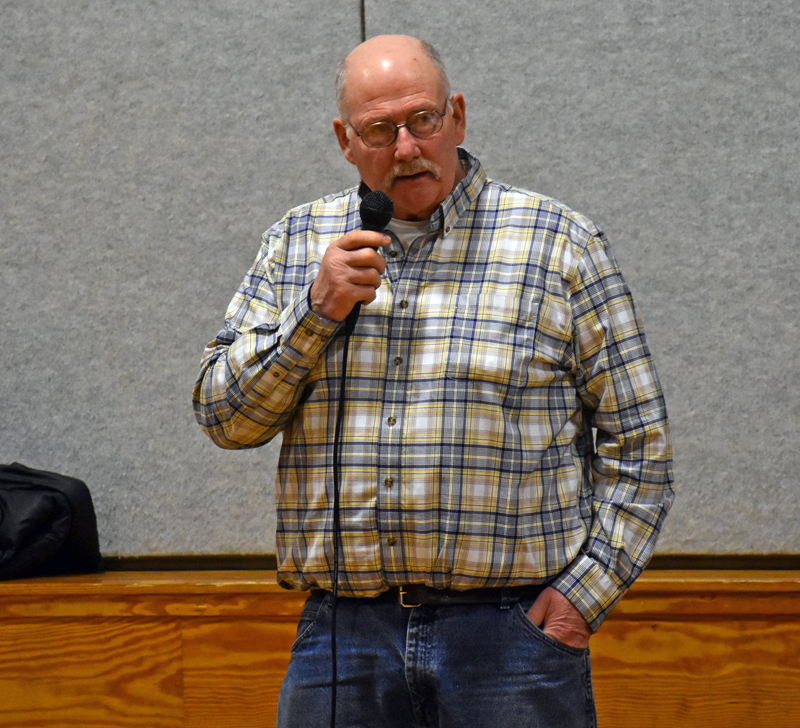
point(96, 672)
point(237, 666)
point(149, 650)
point(209, 649)
point(698, 674)
point(701, 649)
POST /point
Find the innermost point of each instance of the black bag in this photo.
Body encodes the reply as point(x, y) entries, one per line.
point(48, 525)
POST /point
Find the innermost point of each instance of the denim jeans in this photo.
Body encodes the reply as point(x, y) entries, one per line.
point(460, 666)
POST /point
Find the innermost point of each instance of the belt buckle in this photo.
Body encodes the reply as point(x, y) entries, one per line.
point(401, 599)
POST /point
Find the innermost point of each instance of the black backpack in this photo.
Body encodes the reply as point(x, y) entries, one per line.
point(48, 525)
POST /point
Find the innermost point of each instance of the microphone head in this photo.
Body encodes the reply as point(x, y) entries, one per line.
point(376, 211)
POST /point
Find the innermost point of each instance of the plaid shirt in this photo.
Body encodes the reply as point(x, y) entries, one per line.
point(504, 423)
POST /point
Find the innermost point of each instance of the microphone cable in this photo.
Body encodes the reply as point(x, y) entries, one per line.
point(376, 212)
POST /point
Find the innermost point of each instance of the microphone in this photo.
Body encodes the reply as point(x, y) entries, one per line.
point(376, 213)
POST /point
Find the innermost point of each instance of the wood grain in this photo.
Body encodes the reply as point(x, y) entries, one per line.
point(234, 671)
point(673, 673)
point(90, 673)
point(209, 649)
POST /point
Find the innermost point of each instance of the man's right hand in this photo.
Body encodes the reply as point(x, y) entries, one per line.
point(350, 272)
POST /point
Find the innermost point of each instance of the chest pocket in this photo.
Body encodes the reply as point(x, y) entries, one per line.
point(508, 342)
point(490, 341)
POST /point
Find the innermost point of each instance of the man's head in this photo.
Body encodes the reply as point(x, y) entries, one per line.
point(390, 79)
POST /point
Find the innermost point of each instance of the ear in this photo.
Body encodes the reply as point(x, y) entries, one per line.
point(459, 117)
point(344, 140)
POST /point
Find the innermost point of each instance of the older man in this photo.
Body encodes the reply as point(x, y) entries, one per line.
point(505, 463)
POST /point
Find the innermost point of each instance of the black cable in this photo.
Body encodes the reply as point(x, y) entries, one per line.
point(376, 212)
point(337, 522)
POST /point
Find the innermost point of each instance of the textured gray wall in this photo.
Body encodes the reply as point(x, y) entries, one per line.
point(146, 145)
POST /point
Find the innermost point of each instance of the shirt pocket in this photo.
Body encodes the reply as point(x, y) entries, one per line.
point(489, 342)
point(499, 341)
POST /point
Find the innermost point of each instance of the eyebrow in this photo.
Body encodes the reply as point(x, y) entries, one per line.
point(416, 110)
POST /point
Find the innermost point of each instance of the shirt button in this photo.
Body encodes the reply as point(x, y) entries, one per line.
point(392, 421)
point(391, 540)
point(397, 361)
point(388, 482)
point(392, 253)
point(403, 304)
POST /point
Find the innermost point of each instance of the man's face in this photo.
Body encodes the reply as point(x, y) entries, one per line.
point(417, 174)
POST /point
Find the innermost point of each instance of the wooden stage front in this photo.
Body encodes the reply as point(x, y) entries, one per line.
point(208, 648)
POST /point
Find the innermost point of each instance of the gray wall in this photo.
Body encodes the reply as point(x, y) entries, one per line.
point(146, 145)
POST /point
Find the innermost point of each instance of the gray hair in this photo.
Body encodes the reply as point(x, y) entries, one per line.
point(430, 51)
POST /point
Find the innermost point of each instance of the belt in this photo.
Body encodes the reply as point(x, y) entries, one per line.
point(418, 595)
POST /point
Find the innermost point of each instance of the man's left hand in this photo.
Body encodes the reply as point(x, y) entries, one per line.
point(556, 616)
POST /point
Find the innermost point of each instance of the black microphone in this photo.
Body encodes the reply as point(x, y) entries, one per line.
point(376, 213)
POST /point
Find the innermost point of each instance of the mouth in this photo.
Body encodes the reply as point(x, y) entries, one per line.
point(412, 177)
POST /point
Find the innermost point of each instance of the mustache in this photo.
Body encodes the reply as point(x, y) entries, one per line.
point(415, 166)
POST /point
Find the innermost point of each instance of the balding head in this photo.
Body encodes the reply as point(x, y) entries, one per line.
point(381, 52)
point(388, 80)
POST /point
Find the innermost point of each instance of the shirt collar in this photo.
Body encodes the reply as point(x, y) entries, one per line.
point(463, 195)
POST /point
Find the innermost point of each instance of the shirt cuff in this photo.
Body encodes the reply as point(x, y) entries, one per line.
point(590, 589)
point(305, 333)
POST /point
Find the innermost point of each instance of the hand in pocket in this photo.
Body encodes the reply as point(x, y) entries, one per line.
point(556, 617)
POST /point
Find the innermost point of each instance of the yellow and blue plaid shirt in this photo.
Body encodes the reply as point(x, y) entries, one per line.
point(504, 423)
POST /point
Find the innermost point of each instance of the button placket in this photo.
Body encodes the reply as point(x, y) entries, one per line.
point(400, 335)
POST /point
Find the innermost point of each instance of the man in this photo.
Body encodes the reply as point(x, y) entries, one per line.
point(497, 336)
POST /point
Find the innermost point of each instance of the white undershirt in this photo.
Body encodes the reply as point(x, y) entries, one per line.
point(407, 231)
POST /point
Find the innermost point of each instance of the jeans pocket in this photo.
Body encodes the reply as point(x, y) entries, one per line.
point(541, 636)
point(309, 615)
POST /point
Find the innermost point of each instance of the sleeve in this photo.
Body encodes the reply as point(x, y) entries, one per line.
point(631, 467)
point(251, 374)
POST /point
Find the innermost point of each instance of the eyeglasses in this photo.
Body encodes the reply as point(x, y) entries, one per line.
point(421, 124)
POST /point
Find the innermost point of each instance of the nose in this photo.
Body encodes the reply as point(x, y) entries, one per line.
point(406, 145)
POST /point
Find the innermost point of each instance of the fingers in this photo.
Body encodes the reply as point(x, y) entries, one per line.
point(362, 239)
point(537, 612)
point(365, 260)
point(350, 272)
point(559, 619)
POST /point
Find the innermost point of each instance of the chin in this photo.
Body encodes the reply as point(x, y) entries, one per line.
point(424, 196)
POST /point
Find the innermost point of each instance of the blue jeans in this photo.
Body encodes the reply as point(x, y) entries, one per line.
point(461, 666)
